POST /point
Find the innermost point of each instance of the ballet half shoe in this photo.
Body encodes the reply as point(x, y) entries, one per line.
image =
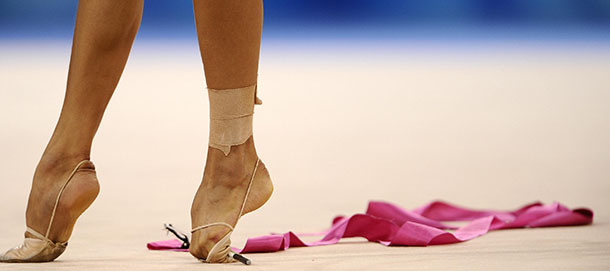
point(34, 250)
point(40, 248)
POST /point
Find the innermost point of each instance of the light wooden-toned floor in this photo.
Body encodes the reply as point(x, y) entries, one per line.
point(484, 125)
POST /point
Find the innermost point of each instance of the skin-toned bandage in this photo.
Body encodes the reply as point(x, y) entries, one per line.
point(231, 112)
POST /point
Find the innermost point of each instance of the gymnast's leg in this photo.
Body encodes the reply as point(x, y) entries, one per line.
point(229, 34)
point(104, 33)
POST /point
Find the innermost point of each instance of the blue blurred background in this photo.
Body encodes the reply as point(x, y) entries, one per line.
point(387, 19)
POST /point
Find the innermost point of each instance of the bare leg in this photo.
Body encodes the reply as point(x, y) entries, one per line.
point(229, 34)
point(104, 33)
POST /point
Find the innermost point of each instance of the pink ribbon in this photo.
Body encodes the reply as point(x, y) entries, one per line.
point(391, 225)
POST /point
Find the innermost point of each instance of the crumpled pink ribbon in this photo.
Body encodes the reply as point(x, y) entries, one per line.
point(391, 225)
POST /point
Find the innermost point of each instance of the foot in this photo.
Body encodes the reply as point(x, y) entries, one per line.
point(222, 191)
point(78, 195)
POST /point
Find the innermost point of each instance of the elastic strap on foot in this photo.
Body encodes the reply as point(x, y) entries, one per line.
point(61, 191)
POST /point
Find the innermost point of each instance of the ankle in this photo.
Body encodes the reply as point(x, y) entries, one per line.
point(226, 172)
point(57, 163)
point(232, 170)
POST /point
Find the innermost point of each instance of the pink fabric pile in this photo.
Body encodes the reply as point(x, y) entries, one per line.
point(391, 225)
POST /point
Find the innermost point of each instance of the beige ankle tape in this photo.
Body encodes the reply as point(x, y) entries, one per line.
point(231, 113)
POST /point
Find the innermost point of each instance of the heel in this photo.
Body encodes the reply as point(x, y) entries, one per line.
point(263, 186)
